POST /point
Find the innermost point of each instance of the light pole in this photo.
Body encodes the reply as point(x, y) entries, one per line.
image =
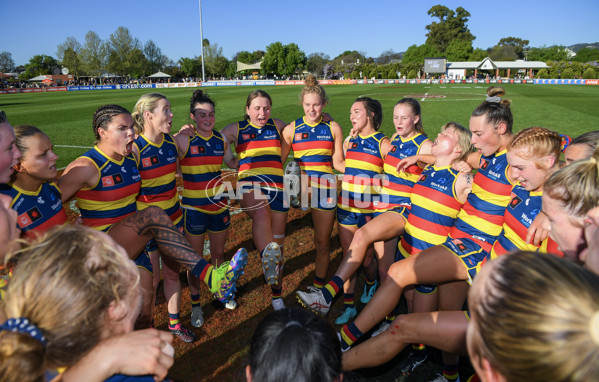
point(202, 42)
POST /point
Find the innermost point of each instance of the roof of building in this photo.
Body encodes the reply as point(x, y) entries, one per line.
point(488, 64)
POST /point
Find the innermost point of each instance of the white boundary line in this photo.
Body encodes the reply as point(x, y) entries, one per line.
point(75, 147)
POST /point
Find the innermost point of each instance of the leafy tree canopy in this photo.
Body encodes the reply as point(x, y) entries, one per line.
point(451, 26)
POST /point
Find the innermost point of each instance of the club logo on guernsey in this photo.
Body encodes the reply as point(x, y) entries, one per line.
point(458, 243)
point(515, 201)
point(29, 217)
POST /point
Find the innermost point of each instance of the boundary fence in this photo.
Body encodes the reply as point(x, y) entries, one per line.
point(300, 82)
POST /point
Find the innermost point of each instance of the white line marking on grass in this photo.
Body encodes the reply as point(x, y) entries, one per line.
point(75, 147)
point(423, 98)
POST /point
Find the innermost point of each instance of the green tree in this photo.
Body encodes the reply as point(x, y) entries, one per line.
point(93, 54)
point(244, 56)
point(416, 54)
point(68, 55)
point(154, 56)
point(387, 56)
point(191, 67)
point(72, 62)
point(283, 59)
point(543, 73)
point(121, 45)
point(138, 64)
point(451, 25)
point(478, 54)
point(295, 60)
point(316, 62)
point(518, 45)
point(214, 61)
point(459, 50)
point(586, 55)
point(551, 53)
point(6, 62)
point(274, 59)
point(70, 43)
point(38, 65)
point(589, 74)
point(502, 53)
point(567, 73)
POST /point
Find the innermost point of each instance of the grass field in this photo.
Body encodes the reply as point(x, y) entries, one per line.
point(220, 351)
point(66, 116)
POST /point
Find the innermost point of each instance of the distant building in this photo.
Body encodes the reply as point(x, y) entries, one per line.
point(459, 69)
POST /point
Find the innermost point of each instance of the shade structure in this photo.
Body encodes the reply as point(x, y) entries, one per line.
point(159, 75)
point(38, 78)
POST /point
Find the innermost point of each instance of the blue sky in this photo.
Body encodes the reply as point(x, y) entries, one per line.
point(30, 27)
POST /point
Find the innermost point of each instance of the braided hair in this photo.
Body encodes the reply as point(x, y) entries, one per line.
point(103, 116)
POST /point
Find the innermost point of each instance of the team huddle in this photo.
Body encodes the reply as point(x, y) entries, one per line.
point(422, 217)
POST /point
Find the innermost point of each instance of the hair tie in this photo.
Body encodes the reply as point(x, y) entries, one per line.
point(293, 323)
point(566, 140)
point(594, 327)
point(493, 99)
point(22, 325)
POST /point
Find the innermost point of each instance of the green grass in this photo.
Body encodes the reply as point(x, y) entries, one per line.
point(66, 116)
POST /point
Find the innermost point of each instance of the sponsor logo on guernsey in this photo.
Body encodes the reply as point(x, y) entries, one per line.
point(40, 200)
point(298, 136)
point(526, 219)
point(484, 164)
point(194, 150)
point(57, 205)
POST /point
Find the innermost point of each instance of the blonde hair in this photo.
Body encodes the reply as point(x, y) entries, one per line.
point(535, 143)
point(64, 284)
point(576, 186)
point(464, 138)
point(146, 102)
point(313, 87)
point(535, 317)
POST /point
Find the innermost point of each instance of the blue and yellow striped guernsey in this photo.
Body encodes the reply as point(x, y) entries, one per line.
point(37, 211)
point(433, 212)
point(522, 210)
point(114, 196)
point(201, 168)
point(157, 167)
point(259, 153)
point(362, 178)
point(481, 218)
point(313, 147)
point(399, 184)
